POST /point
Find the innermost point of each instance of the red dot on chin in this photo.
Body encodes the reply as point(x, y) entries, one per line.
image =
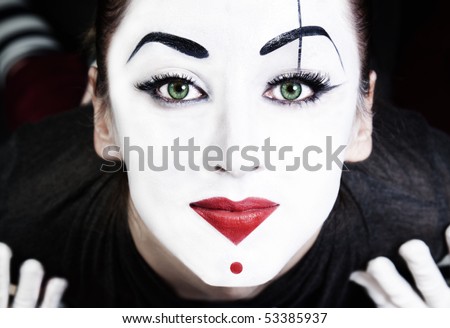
point(236, 268)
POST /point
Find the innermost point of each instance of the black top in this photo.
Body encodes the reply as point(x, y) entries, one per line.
point(58, 207)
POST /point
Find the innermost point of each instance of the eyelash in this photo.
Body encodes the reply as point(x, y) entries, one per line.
point(157, 81)
point(319, 83)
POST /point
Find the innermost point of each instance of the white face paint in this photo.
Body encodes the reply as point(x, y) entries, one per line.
point(234, 110)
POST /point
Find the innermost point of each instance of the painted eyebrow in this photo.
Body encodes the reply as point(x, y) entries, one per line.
point(298, 33)
point(185, 46)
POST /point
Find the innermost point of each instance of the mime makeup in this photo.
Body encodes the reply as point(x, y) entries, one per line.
point(235, 220)
point(236, 268)
point(205, 70)
point(185, 46)
point(299, 33)
point(293, 35)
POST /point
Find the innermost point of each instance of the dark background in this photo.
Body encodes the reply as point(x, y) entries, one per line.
point(411, 54)
point(410, 50)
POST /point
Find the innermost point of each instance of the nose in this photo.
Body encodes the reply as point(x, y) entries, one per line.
point(238, 138)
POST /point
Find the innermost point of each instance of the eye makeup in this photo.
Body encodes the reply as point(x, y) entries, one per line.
point(294, 88)
point(173, 88)
point(315, 82)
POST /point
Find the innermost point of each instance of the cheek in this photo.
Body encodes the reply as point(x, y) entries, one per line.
point(332, 116)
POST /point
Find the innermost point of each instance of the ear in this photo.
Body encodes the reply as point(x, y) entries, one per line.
point(103, 128)
point(360, 146)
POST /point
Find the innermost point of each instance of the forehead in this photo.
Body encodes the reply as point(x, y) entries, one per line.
point(217, 14)
point(233, 32)
point(230, 20)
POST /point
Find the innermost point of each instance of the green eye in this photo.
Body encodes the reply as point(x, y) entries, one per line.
point(291, 90)
point(178, 90)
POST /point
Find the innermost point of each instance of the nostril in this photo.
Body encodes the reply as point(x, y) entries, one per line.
point(220, 168)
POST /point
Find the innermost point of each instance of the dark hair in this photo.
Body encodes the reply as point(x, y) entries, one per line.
point(108, 17)
point(111, 12)
point(361, 18)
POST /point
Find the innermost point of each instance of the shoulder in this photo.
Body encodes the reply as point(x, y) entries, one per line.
point(403, 188)
point(41, 158)
point(50, 182)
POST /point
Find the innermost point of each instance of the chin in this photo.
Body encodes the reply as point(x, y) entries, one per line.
point(236, 282)
point(228, 293)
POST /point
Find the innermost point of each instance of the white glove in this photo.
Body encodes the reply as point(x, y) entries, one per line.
point(30, 280)
point(388, 289)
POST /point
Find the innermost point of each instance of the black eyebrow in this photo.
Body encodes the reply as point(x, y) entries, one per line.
point(298, 33)
point(185, 46)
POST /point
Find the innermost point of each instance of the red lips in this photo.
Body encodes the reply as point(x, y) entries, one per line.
point(235, 220)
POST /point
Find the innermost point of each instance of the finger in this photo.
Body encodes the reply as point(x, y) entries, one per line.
point(31, 274)
point(426, 274)
point(12, 289)
point(446, 260)
point(447, 236)
point(54, 292)
point(5, 257)
point(401, 294)
point(372, 287)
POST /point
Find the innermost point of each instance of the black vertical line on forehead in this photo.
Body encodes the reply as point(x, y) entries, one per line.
point(300, 37)
point(288, 37)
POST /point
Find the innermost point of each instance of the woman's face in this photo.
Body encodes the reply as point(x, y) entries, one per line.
point(203, 73)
